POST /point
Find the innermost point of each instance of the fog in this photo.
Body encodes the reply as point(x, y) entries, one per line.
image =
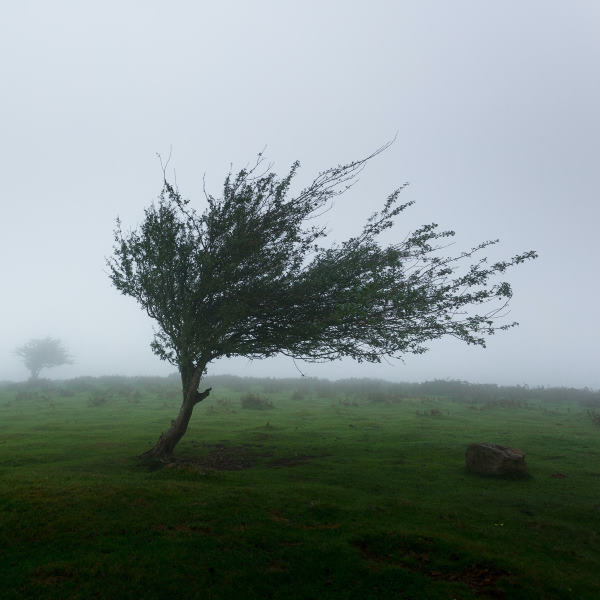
point(495, 107)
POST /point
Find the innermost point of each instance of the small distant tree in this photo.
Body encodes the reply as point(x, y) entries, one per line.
point(43, 353)
point(249, 277)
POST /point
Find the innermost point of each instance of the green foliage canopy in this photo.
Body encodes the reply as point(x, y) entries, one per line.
point(249, 276)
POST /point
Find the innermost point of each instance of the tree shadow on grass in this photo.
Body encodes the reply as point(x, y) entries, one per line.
point(224, 457)
point(525, 476)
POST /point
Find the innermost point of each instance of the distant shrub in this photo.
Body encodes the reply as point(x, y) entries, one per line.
point(348, 403)
point(173, 395)
point(44, 384)
point(116, 387)
point(273, 386)
point(255, 402)
point(97, 399)
point(134, 397)
point(325, 389)
point(432, 412)
point(378, 397)
point(80, 384)
point(592, 401)
point(26, 395)
point(299, 395)
point(221, 405)
point(594, 416)
point(505, 403)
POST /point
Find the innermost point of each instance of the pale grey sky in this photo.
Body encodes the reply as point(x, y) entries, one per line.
point(495, 105)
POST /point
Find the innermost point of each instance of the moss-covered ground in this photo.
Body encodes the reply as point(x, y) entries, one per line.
point(317, 497)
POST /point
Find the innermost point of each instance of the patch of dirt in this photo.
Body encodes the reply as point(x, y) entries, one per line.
point(322, 526)
point(259, 436)
point(54, 580)
point(225, 457)
point(287, 544)
point(50, 575)
point(292, 461)
point(277, 516)
point(479, 578)
point(181, 528)
point(558, 475)
point(221, 458)
point(276, 567)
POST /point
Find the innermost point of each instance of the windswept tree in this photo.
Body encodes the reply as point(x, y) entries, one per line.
point(43, 353)
point(249, 276)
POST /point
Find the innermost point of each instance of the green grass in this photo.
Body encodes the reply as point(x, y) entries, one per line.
point(361, 501)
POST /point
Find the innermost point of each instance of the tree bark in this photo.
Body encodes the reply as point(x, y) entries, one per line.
point(162, 451)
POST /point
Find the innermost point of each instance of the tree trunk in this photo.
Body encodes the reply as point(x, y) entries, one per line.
point(162, 451)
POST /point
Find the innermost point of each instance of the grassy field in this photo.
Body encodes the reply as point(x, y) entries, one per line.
point(321, 496)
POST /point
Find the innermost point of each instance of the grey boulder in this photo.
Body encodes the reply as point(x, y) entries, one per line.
point(493, 459)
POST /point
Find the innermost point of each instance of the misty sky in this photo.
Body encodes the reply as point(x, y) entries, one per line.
point(496, 109)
